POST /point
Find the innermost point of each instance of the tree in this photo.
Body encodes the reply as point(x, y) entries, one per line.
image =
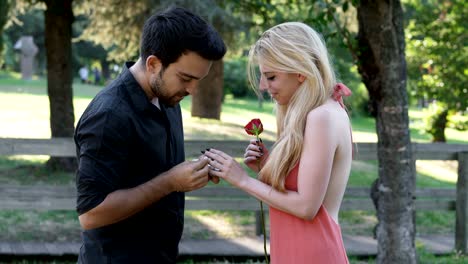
point(58, 33)
point(206, 102)
point(58, 26)
point(382, 66)
point(438, 58)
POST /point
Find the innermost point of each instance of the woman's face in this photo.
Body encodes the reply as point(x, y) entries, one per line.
point(280, 85)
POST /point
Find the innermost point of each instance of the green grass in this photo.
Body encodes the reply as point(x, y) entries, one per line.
point(15, 170)
point(423, 258)
point(46, 226)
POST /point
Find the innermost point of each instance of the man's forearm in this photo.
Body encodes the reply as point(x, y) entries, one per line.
point(124, 203)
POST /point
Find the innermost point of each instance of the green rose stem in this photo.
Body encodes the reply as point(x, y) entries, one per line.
point(255, 127)
point(263, 217)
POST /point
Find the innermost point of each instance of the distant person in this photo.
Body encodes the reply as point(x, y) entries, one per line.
point(84, 72)
point(304, 177)
point(132, 175)
point(97, 76)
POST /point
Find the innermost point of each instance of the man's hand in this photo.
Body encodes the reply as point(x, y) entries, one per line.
point(190, 175)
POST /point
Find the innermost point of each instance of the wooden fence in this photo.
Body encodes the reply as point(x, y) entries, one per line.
point(228, 198)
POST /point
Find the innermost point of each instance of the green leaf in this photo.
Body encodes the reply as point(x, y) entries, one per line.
point(345, 6)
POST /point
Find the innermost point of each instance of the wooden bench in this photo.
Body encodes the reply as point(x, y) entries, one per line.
point(228, 198)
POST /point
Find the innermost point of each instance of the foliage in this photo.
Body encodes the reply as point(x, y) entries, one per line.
point(31, 23)
point(235, 78)
point(337, 35)
point(437, 55)
point(4, 9)
point(117, 24)
point(435, 123)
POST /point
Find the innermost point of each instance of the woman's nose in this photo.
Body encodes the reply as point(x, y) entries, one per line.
point(263, 84)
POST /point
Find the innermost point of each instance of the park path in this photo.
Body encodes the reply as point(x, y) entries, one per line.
point(236, 247)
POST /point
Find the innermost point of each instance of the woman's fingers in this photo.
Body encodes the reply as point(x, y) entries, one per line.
point(216, 174)
point(217, 160)
point(220, 153)
point(250, 159)
point(255, 148)
point(255, 154)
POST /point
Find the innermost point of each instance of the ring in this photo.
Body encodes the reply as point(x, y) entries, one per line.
point(213, 168)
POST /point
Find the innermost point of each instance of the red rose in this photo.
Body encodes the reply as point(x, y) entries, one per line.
point(254, 127)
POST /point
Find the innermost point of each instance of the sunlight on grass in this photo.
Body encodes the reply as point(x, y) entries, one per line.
point(359, 136)
point(30, 158)
point(217, 223)
point(445, 171)
point(24, 116)
point(204, 224)
point(29, 116)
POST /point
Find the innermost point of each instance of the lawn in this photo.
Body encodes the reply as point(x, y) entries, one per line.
point(24, 113)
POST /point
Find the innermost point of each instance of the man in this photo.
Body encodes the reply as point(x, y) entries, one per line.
point(132, 175)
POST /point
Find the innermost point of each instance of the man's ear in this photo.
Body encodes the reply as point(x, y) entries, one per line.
point(301, 78)
point(153, 64)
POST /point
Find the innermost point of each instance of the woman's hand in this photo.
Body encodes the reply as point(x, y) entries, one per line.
point(255, 155)
point(226, 167)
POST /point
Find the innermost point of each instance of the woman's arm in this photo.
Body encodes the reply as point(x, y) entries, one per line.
point(313, 177)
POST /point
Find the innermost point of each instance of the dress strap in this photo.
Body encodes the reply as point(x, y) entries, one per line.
point(339, 91)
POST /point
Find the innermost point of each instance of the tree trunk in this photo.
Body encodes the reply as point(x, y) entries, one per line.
point(105, 70)
point(206, 102)
point(382, 66)
point(5, 4)
point(58, 30)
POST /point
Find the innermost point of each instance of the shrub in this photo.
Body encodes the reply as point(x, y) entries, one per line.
point(235, 78)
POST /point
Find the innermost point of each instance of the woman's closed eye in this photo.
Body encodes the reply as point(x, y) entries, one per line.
point(271, 78)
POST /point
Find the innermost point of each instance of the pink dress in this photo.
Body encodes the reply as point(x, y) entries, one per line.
point(295, 241)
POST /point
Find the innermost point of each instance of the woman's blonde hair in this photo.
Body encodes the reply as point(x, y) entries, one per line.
point(292, 47)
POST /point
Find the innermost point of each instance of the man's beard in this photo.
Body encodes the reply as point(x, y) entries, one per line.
point(158, 88)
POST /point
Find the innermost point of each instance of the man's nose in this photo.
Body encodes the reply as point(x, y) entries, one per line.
point(192, 87)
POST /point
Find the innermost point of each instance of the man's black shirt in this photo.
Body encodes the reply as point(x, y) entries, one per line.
point(122, 141)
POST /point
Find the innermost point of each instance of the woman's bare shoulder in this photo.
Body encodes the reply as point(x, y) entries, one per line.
point(330, 112)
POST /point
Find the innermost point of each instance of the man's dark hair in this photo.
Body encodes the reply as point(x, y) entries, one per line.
point(167, 35)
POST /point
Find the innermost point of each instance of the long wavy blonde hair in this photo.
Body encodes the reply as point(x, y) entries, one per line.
point(292, 47)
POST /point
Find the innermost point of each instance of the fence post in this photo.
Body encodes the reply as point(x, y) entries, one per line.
point(461, 224)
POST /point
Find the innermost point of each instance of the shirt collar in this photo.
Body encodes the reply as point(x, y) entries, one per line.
point(135, 91)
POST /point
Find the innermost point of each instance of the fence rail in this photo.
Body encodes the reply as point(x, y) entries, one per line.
point(65, 147)
point(228, 198)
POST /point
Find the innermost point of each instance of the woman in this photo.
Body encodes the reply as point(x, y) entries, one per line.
point(304, 177)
